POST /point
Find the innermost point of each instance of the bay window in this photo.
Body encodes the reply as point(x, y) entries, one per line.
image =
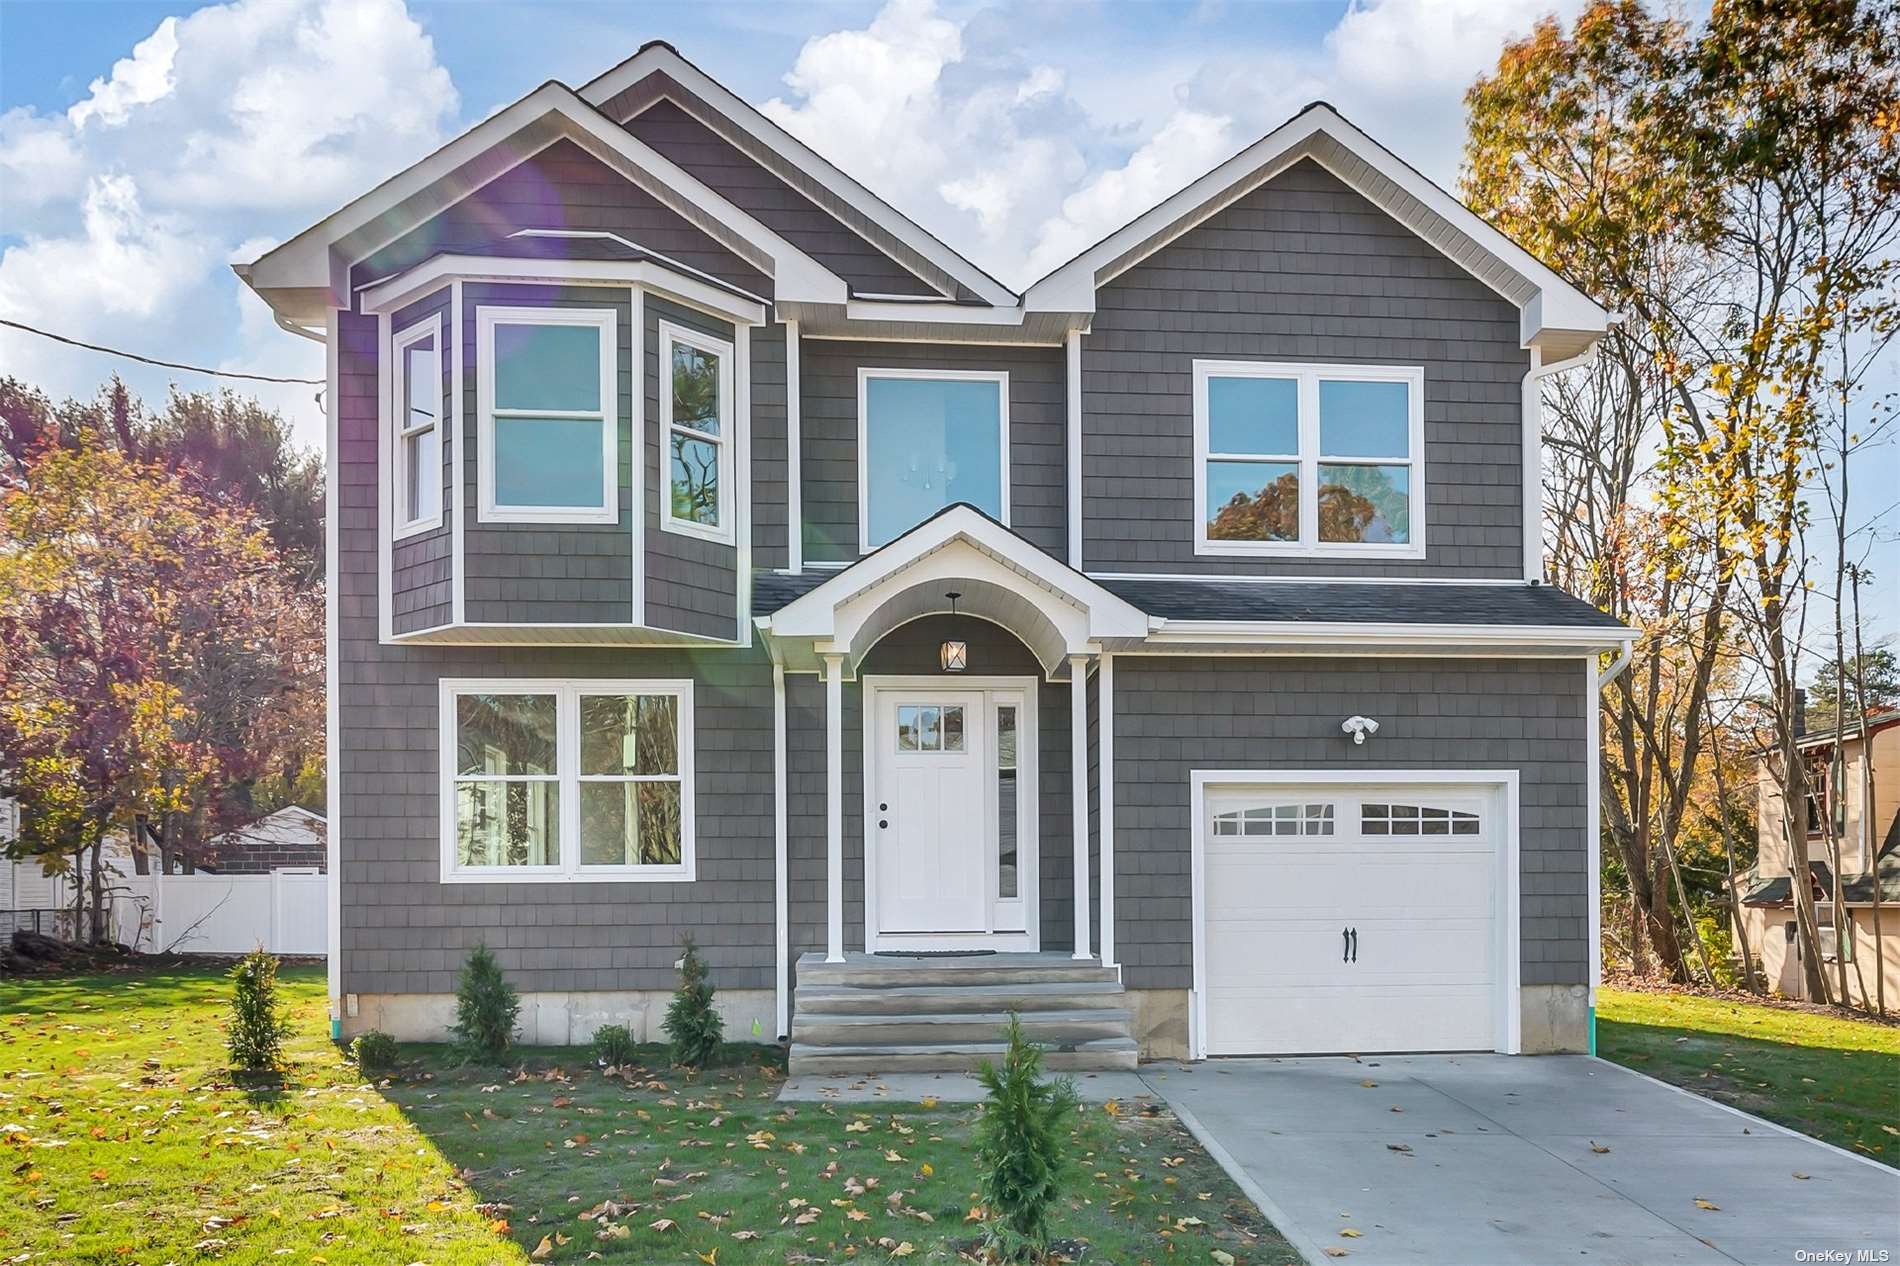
point(574, 780)
point(416, 394)
point(546, 384)
point(1314, 460)
point(696, 430)
point(928, 439)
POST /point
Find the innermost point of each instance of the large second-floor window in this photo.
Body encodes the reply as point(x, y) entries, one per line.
point(416, 393)
point(696, 432)
point(1316, 460)
point(929, 439)
point(546, 388)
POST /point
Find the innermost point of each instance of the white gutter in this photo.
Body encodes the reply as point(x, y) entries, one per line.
point(1617, 665)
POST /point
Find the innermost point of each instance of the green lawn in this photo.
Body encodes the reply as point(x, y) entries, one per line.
point(128, 1142)
point(1835, 1078)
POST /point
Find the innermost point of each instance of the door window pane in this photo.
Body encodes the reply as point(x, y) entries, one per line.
point(548, 461)
point(953, 729)
point(1364, 419)
point(552, 367)
point(1253, 501)
point(1253, 415)
point(1372, 504)
point(505, 734)
point(931, 443)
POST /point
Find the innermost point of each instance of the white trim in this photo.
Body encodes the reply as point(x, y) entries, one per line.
point(866, 374)
point(716, 96)
point(1307, 377)
point(606, 322)
point(1079, 797)
point(458, 460)
point(1507, 1010)
point(1282, 633)
point(429, 328)
point(781, 859)
point(385, 513)
point(567, 693)
point(1228, 578)
point(928, 340)
point(942, 311)
point(1555, 305)
point(399, 291)
point(637, 431)
point(834, 808)
point(726, 529)
point(794, 458)
point(1105, 793)
point(1072, 394)
point(332, 679)
point(742, 461)
point(1022, 691)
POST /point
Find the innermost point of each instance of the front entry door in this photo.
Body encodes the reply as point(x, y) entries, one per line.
point(929, 829)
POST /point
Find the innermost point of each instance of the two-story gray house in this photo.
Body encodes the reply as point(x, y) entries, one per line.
point(1160, 652)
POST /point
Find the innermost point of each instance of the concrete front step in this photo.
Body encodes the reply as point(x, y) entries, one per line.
point(1079, 995)
point(1095, 1056)
point(868, 971)
point(1048, 1028)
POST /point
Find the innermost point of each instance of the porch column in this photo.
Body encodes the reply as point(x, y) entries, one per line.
point(834, 808)
point(1079, 793)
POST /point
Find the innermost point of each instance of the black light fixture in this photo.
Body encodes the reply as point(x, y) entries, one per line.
point(953, 656)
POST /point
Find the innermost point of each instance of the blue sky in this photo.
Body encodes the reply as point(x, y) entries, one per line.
point(145, 146)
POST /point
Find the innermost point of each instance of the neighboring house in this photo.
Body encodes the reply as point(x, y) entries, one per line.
point(1870, 853)
point(292, 838)
point(717, 552)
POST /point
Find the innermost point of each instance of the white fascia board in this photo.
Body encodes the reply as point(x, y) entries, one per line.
point(307, 260)
point(393, 293)
point(942, 313)
point(660, 57)
point(1332, 633)
point(1557, 304)
point(812, 614)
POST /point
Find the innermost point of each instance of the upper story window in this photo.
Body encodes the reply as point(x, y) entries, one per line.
point(696, 426)
point(929, 439)
point(416, 393)
point(1313, 460)
point(547, 426)
point(587, 780)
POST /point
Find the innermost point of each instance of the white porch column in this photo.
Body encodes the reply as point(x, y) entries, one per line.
point(834, 808)
point(1079, 794)
point(1105, 778)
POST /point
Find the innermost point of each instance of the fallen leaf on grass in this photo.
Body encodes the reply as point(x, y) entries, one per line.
point(743, 1236)
point(543, 1250)
point(1707, 1204)
point(1598, 1148)
point(1222, 1257)
point(662, 1224)
point(711, 1259)
point(1349, 1233)
point(1398, 1147)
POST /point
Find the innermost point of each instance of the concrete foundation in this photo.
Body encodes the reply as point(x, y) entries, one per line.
point(1161, 1022)
point(556, 1019)
point(1555, 1019)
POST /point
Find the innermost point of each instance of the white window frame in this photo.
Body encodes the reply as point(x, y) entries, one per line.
point(726, 531)
point(567, 694)
point(865, 375)
point(607, 322)
point(401, 431)
point(1308, 459)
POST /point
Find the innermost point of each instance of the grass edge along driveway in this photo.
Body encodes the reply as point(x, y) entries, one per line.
point(1830, 1076)
point(126, 1141)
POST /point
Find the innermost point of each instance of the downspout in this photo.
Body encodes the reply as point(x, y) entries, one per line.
point(1594, 885)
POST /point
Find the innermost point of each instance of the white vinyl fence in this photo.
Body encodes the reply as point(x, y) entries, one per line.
point(285, 911)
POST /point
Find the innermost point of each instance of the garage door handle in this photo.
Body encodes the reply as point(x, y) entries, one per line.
point(1345, 945)
point(1355, 945)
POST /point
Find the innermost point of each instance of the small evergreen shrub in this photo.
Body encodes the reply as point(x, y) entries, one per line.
point(373, 1051)
point(694, 1027)
point(258, 1028)
point(1019, 1148)
point(613, 1045)
point(485, 1007)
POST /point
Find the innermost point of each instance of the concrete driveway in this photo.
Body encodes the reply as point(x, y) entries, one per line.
point(1480, 1159)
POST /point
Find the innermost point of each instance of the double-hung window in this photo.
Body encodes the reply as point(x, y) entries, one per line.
point(546, 385)
point(572, 780)
point(929, 439)
point(696, 426)
point(416, 394)
point(1314, 460)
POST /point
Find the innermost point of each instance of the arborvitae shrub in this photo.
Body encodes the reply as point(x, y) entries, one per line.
point(613, 1045)
point(485, 1007)
point(258, 1028)
point(373, 1051)
point(1019, 1148)
point(694, 1027)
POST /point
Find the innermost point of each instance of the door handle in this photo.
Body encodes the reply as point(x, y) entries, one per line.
point(1355, 945)
point(882, 824)
point(1345, 945)
point(884, 808)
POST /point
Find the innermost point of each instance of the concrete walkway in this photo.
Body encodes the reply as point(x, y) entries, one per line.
point(1483, 1159)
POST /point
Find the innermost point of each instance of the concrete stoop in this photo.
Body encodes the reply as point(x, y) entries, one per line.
point(887, 1013)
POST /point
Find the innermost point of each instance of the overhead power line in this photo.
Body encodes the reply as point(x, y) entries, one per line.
point(162, 364)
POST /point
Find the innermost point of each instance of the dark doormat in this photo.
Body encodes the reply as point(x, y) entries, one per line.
point(969, 953)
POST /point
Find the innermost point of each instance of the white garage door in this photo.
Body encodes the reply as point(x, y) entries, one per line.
point(1351, 918)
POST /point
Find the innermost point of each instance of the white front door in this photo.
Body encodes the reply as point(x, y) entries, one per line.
point(1351, 918)
point(949, 814)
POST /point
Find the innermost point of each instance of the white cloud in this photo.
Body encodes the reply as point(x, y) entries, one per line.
point(240, 119)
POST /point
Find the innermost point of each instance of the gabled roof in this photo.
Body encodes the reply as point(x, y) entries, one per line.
point(311, 271)
point(661, 57)
point(1556, 316)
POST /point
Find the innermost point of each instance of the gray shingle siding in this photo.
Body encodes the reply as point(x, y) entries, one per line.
point(775, 204)
point(531, 573)
point(422, 565)
point(692, 583)
point(1173, 716)
point(828, 422)
point(1301, 269)
point(769, 507)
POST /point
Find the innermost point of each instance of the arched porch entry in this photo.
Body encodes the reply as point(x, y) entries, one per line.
point(951, 759)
